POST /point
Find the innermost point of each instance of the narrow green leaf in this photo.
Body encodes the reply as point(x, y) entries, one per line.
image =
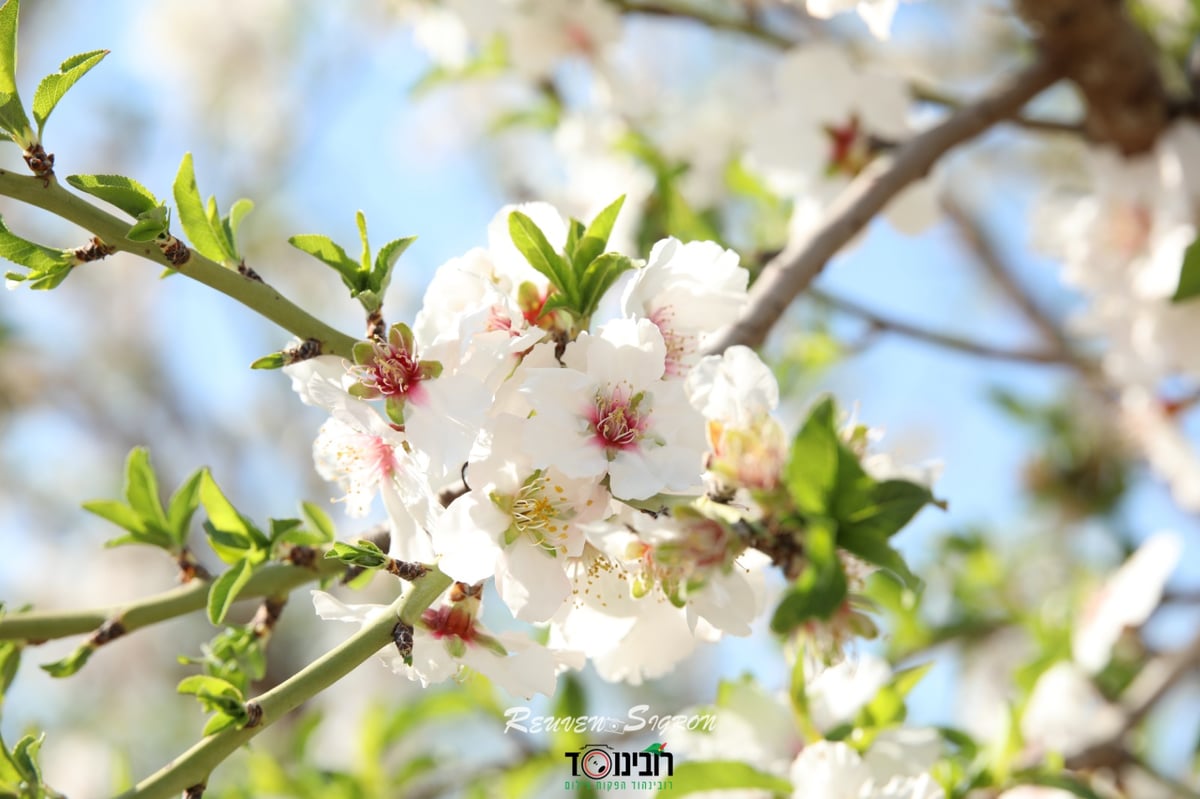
point(220, 721)
point(118, 513)
point(595, 238)
point(10, 661)
point(575, 231)
point(71, 663)
point(192, 217)
point(230, 533)
point(125, 193)
point(48, 267)
point(273, 361)
point(141, 488)
point(364, 257)
point(24, 757)
point(362, 553)
point(224, 590)
point(385, 260)
point(532, 243)
point(323, 249)
point(319, 520)
point(1189, 274)
point(811, 471)
point(182, 506)
point(54, 86)
point(218, 227)
point(233, 224)
point(717, 775)
point(12, 113)
point(598, 277)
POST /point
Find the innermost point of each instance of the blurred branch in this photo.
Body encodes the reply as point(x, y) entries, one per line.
point(945, 340)
point(744, 25)
point(1177, 788)
point(1114, 64)
point(1153, 682)
point(254, 294)
point(40, 626)
point(1001, 273)
point(928, 94)
point(194, 766)
point(788, 274)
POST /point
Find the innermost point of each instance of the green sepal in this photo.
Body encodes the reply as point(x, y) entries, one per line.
point(12, 112)
point(71, 663)
point(194, 219)
point(47, 267)
point(125, 193)
point(55, 85)
point(223, 591)
point(394, 408)
point(273, 361)
point(532, 244)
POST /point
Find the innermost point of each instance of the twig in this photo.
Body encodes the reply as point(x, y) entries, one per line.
point(946, 340)
point(39, 626)
point(791, 272)
point(193, 766)
point(111, 230)
point(930, 95)
point(746, 26)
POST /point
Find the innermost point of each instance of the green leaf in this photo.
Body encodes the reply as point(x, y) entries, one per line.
point(224, 590)
point(220, 721)
point(125, 193)
point(24, 757)
point(192, 217)
point(54, 86)
point(48, 267)
point(821, 587)
point(363, 553)
point(12, 113)
point(720, 775)
point(218, 227)
point(385, 260)
point(71, 663)
point(319, 520)
point(595, 238)
point(875, 549)
point(275, 360)
point(323, 249)
point(598, 277)
point(570, 701)
point(183, 506)
point(890, 505)
point(237, 212)
point(811, 472)
point(231, 535)
point(126, 517)
point(1189, 274)
point(141, 488)
point(215, 695)
point(10, 660)
point(532, 243)
point(364, 257)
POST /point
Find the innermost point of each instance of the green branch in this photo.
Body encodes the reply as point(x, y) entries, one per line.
point(193, 766)
point(38, 626)
point(254, 294)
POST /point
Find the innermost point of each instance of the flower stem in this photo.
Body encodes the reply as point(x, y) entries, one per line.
point(38, 626)
point(193, 766)
point(254, 294)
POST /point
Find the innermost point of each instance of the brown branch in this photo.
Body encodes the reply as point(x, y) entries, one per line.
point(1114, 64)
point(945, 340)
point(791, 272)
point(928, 94)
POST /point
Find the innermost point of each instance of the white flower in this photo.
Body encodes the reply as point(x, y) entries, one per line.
point(876, 13)
point(688, 291)
point(838, 692)
point(542, 32)
point(518, 524)
point(609, 412)
point(1066, 714)
point(829, 770)
point(735, 388)
point(1125, 600)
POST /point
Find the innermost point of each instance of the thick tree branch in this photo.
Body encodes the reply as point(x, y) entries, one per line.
point(944, 340)
point(1114, 64)
point(790, 273)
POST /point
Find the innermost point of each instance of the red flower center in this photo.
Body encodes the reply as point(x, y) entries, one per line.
point(616, 421)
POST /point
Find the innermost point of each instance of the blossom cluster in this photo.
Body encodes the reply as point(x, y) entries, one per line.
point(579, 457)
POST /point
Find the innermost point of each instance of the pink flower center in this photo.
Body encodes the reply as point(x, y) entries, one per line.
point(449, 620)
point(393, 372)
point(850, 147)
point(616, 421)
